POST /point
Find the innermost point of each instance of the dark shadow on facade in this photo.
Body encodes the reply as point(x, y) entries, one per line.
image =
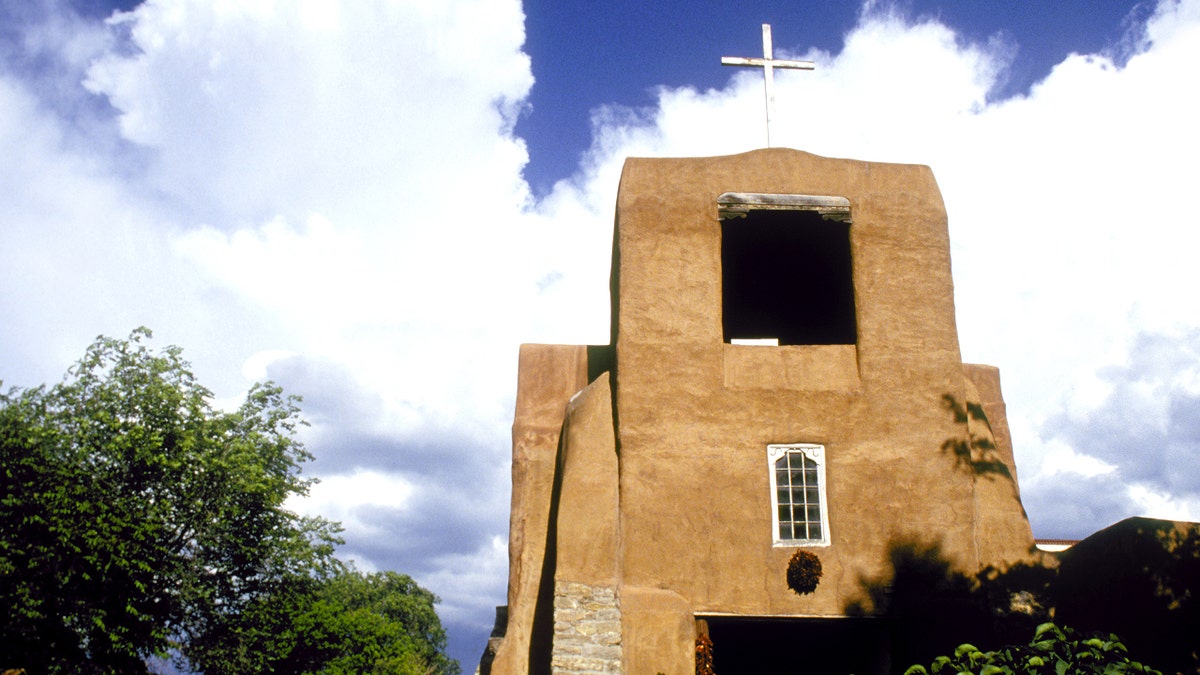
point(974, 451)
point(930, 608)
point(541, 637)
point(1138, 579)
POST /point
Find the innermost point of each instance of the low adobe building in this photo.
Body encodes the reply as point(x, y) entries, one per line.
point(783, 374)
point(1138, 578)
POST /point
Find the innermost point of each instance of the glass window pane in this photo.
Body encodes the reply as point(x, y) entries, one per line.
point(798, 496)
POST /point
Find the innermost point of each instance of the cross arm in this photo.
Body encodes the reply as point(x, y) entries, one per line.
point(760, 62)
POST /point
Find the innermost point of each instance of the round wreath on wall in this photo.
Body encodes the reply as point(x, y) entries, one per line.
point(804, 572)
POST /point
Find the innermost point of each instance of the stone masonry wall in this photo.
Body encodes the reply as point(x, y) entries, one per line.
point(587, 629)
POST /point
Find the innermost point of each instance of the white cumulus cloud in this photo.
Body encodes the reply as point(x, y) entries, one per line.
point(330, 194)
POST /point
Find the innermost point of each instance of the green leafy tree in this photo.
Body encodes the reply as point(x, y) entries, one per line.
point(1054, 651)
point(136, 520)
point(369, 623)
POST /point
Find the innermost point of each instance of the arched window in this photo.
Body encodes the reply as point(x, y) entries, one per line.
point(800, 515)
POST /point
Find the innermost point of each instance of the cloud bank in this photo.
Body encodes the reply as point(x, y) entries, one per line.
point(331, 195)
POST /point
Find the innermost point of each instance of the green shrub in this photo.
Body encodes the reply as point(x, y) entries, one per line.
point(1054, 651)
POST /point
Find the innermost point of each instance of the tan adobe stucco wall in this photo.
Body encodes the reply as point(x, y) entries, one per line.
point(695, 497)
point(547, 377)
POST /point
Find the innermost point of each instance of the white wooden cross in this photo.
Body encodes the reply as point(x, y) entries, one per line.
point(768, 64)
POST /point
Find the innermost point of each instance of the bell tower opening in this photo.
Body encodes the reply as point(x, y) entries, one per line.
point(786, 270)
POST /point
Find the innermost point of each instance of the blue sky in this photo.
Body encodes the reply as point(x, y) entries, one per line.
point(587, 54)
point(374, 203)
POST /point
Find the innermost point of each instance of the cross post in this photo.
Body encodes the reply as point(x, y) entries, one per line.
point(768, 63)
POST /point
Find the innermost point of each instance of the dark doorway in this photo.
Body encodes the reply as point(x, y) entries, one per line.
point(786, 274)
point(810, 646)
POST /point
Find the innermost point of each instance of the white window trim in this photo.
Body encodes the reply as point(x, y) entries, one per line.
point(817, 454)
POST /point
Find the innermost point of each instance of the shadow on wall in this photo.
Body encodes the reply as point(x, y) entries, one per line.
point(1139, 579)
point(541, 639)
point(974, 451)
point(931, 608)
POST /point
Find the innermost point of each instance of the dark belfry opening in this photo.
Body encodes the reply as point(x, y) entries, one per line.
point(786, 275)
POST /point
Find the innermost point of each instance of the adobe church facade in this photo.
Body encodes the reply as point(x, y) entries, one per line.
point(783, 374)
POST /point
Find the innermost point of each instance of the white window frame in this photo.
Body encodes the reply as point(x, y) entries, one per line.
point(816, 453)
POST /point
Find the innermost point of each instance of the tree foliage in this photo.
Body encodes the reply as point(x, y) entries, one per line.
point(138, 521)
point(347, 622)
point(1054, 651)
point(369, 623)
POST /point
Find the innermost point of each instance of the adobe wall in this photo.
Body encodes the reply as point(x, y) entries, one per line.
point(1138, 578)
point(547, 377)
point(696, 414)
point(1001, 524)
point(587, 601)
